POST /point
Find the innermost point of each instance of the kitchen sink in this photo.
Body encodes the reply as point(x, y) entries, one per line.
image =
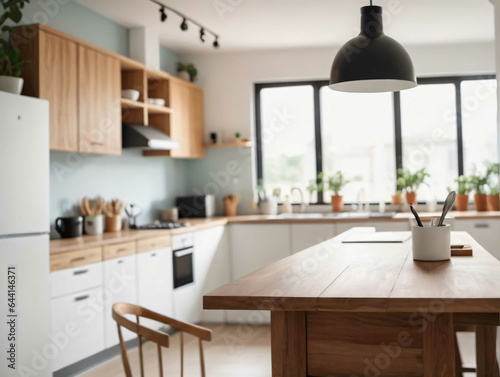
point(341, 215)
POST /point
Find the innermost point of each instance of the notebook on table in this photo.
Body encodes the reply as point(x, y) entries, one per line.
point(377, 237)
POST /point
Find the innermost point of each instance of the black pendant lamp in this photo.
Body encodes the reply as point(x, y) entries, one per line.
point(372, 62)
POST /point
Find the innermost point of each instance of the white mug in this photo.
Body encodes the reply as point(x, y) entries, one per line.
point(431, 243)
point(93, 224)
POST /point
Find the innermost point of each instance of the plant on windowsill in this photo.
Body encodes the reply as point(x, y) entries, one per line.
point(335, 184)
point(10, 63)
point(463, 191)
point(315, 185)
point(478, 183)
point(410, 182)
point(396, 198)
point(493, 173)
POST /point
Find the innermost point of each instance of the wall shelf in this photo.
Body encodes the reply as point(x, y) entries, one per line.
point(129, 104)
point(154, 109)
point(232, 144)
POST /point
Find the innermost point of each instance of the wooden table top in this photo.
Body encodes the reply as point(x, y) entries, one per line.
point(367, 278)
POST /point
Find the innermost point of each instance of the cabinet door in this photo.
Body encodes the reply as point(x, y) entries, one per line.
point(211, 267)
point(58, 80)
point(484, 231)
point(307, 235)
point(77, 327)
point(253, 247)
point(119, 286)
point(155, 284)
point(187, 119)
point(99, 103)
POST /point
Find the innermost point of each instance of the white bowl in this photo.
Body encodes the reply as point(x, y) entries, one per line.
point(131, 94)
point(156, 101)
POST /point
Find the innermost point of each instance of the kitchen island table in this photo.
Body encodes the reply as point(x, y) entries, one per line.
point(348, 310)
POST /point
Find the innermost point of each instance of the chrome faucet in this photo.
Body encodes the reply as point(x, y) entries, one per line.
point(303, 205)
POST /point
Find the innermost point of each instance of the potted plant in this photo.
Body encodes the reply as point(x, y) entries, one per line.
point(493, 173)
point(480, 199)
point(315, 185)
point(396, 198)
point(336, 183)
point(410, 182)
point(463, 191)
point(10, 63)
point(186, 72)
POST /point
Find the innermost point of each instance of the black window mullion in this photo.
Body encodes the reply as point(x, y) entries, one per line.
point(317, 137)
point(398, 133)
point(460, 145)
point(258, 133)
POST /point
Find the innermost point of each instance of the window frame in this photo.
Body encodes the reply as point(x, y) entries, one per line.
point(318, 84)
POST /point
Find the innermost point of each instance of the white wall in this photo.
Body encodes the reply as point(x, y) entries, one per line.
point(228, 78)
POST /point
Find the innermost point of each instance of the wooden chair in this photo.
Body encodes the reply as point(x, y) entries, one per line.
point(161, 339)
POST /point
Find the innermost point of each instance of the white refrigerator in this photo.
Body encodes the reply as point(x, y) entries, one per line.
point(24, 237)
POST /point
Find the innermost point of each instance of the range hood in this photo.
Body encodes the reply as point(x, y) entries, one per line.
point(137, 135)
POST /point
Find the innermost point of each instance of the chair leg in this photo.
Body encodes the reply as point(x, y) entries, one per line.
point(486, 358)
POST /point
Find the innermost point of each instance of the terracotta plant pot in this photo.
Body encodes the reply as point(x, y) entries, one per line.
point(493, 202)
point(481, 202)
point(396, 199)
point(411, 198)
point(462, 202)
point(337, 203)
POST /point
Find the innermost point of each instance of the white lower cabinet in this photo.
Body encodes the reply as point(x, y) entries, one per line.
point(155, 283)
point(484, 231)
point(253, 247)
point(119, 286)
point(307, 235)
point(380, 226)
point(77, 326)
point(211, 267)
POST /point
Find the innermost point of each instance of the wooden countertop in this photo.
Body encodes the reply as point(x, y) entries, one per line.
point(65, 245)
point(366, 278)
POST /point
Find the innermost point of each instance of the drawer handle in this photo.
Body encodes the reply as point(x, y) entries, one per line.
point(77, 259)
point(153, 245)
point(96, 143)
point(119, 262)
point(80, 272)
point(81, 298)
point(482, 226)
point(121, 250)
point(153, 255)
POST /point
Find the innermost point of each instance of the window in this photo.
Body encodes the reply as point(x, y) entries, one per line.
point(447, 125)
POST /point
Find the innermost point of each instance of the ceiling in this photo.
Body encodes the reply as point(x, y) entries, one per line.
point(278, 24)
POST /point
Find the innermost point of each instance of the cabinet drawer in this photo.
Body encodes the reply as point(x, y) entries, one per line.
point(75, 258)
point(119, 250)
point(153, 244)
point(181, 241)
point(83, 313)
point(73, 280)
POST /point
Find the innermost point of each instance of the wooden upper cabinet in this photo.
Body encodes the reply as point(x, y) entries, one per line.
point(52, 75)
point(99, 100)
point(186, 125)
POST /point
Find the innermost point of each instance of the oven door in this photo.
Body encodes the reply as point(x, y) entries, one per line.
point(183, 267)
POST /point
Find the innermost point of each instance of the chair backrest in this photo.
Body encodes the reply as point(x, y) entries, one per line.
point(161, 339)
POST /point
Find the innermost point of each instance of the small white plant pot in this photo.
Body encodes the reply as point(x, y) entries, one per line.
point(431, 243)
point(269, 206)
point(11, 84)
point(93, 224)
point(184, 76)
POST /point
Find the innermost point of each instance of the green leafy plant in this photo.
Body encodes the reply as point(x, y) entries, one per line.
point(337, 182)
point(189, 68)
point(411, 181)
point(464, 185)
point(316, 185)
point(277, 193)
point(237, 135)
point(10, 62)
point(398, 193)
point(478, 182)
point(493, 176)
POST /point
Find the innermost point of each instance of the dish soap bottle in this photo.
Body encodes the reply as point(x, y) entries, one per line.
point(286, 207)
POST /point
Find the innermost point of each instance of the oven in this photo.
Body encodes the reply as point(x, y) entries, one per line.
point(182, 246)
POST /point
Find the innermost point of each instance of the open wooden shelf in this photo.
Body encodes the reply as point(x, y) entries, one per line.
point(231, 144)
point(154, 109)
point(132, 104)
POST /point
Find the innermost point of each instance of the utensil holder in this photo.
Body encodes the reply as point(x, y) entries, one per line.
point(431, 243)
point(93, 224)
point(113, 224)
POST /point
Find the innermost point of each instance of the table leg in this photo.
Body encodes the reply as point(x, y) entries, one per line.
point(439, 347)
point(486, 358)
point(458, 360)
point(288, 344)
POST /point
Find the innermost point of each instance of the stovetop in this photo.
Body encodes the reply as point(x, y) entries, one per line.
point(165, 225)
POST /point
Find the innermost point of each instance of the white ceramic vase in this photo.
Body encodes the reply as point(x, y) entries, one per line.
point(269, 206)
point(431, 243)
point(11, 84)
point(184, 76)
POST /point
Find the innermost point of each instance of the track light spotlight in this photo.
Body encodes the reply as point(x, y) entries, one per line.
point(163, 15)
point(202, 35)
point(216, 42)
point(184, 25)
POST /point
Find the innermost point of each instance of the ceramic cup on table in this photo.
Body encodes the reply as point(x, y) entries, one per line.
point(113, 223)
point(69, 227)
point(431, 243)
point(93, 224)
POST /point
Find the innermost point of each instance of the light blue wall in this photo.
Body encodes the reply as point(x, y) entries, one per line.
point(168, 60)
